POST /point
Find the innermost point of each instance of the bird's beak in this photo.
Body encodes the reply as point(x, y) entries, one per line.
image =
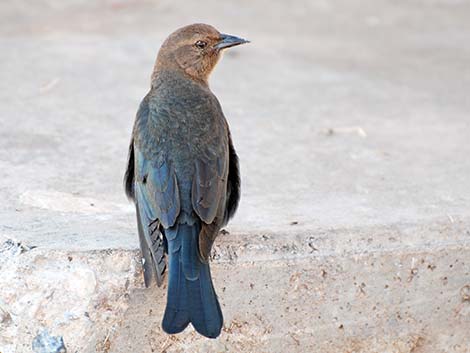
point(227, 41)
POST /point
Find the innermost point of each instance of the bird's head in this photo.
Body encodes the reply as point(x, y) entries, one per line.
point(194, 49)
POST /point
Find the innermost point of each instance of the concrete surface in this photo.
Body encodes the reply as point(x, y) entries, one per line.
point(352, 124)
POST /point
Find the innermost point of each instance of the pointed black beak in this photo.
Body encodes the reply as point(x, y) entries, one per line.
point(228, 41)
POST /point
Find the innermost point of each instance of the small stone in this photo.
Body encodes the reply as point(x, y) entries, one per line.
point(45, 343)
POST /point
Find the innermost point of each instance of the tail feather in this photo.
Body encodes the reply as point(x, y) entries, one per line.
point(191, 295)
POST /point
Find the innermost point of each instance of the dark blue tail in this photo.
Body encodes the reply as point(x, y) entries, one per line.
point(191, 295)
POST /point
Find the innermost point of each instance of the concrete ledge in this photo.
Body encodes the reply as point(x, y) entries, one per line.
point(406, 291)
point(395, 289)
point(77, 295)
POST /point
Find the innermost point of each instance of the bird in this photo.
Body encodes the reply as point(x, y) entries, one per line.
point(183, 176)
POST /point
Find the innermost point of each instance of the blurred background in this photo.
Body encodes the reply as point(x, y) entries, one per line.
point(351, 121)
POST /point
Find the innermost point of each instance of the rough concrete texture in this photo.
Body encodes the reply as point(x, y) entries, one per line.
point(69, 293)
point(352, 124)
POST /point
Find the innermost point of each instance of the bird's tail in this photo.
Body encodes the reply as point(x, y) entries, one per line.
point(191, 295)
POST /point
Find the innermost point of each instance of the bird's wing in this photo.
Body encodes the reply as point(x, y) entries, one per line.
point(152, 247)
point(208, 187)
point(158, 189)
point(233, 183)
point(209, 193)
point(129, 175)
point(156, 196)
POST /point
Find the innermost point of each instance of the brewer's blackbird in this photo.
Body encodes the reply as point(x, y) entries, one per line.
point(183, 176)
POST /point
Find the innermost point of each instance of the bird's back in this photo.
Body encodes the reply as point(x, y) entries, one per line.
point(184, 124)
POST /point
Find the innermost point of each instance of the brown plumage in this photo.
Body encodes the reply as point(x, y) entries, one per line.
point(180, 52)
point(183, 175)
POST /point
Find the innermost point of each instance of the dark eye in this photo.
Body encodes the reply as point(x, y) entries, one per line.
point(201, 44)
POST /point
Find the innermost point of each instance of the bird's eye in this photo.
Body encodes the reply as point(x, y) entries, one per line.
point(200, 44)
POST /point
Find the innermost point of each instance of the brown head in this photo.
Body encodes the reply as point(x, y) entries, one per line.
point(194, 49)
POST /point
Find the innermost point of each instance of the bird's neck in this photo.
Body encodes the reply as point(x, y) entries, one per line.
point(167, 65)
point(164, 76)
